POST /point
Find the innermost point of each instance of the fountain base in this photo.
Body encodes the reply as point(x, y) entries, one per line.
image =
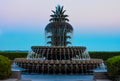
point(59, 66)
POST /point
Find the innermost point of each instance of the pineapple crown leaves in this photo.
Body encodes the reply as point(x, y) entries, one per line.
point(58, 15)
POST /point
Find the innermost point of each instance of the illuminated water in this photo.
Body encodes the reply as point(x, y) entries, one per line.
point(56, 77)
point(52, 77)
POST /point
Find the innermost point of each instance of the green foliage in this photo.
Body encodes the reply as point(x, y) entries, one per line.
point(5, 67)
point(103, 55)
point(113, 67)
point(13, 55)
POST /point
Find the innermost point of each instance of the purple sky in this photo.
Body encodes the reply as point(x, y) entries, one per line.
point(96, 23)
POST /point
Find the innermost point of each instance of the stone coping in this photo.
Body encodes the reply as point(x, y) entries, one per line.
point(101, 76)
point(59, 47)
point(24, 80)
point(103, 80)
point(91, 61)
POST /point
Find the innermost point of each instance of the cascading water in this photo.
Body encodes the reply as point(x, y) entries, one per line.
point(34, 56)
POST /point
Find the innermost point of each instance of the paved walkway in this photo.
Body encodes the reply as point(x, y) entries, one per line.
point(9, 80)
point(52, 80)
point(16, 80)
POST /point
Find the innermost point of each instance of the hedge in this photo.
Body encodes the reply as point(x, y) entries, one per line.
point(103, 55)
point(13, 55)
point(113, 67)
point(99, 55)
point(5, 67)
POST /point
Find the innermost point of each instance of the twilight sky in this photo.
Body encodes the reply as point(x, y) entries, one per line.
point(96, 23)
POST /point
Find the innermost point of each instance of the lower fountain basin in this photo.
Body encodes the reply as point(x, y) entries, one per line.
point(59, 66)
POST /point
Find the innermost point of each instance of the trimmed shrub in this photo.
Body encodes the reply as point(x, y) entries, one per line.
point(5, 67)
point(113, 67)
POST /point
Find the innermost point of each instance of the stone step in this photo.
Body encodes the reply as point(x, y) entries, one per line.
point(103, 80)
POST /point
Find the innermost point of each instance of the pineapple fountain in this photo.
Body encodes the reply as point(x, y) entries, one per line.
point(58, 56)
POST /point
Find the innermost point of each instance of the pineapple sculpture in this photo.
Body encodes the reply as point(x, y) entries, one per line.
point(58, 32)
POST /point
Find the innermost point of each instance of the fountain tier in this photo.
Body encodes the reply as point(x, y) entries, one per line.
point(58, 52)
point(59, 66)
point(58, 59)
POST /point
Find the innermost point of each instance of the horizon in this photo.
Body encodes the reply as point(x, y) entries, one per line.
point(96, 23)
